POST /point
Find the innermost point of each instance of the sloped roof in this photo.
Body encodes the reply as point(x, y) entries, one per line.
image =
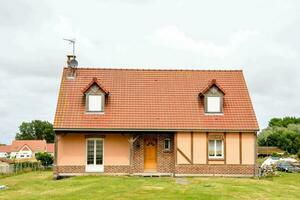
point(33, 145)
point(155, 100)
point(5, 148)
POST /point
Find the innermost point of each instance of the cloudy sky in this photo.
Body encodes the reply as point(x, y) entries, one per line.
point(260, 37)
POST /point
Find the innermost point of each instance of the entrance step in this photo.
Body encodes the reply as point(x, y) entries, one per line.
point(153, 174)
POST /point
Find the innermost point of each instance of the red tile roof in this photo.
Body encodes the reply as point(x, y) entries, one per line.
point(155, 99)
point(5, 148)
point(33, 145)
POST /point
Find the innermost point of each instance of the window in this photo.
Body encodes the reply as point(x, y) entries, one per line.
point(215, 149)
point(94, 155)
point(95, 103)
point(167, 144)
point(213, 104)
point(94, 152)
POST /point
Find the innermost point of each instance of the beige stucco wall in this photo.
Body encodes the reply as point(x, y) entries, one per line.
point(116, 150)
point(232, 148)
point(184, 144)
point(248, 148)
point(72, 149)
point(199, 150)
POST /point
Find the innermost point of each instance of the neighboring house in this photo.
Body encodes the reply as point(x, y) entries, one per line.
point(26, 148)
point(4, 151)
point(175, 122)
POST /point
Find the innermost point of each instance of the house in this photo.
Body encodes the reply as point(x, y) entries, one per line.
point(170, 122)
point(4, 151)
point(26, 148)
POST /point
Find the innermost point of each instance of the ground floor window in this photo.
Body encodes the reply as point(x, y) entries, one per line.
point(94, 151)
point(167, 144)
point(215, 149)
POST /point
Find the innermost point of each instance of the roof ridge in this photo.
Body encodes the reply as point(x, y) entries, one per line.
point(149, 69)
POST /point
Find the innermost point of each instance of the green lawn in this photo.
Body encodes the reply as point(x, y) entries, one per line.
point(39, 185)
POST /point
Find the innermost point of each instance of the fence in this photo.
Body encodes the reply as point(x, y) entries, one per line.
point(22, 167)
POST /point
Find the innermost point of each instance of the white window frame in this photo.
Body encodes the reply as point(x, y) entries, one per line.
point(210, 100)
point(101, 103)
point(215, 150)
point(169, 144)
point(94, 167)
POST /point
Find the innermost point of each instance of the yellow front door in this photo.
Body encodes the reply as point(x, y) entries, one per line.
point(150, 159)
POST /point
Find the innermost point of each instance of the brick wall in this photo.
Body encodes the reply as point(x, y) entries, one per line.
point(165, 158)
point(216, 169)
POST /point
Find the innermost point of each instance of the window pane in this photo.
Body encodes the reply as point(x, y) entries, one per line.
point(219, 148)
point(95, 102)
point(167, 144)
point(90, 152)
point(211, 148)
point(213, 104)
point(99, 152)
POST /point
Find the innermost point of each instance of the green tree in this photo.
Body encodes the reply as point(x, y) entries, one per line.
point(45, 158)
point(283, 122)
point(36, 130)
point(285, 135)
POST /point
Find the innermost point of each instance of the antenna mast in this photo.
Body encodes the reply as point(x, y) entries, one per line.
point(71, 41)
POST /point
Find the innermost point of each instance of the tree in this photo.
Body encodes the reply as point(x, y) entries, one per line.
point(283, 133)
point(45, 158)
point(283, 122)
point(36, 130)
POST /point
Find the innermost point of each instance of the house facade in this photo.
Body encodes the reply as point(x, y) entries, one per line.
point(168, 122)
point(25, 149)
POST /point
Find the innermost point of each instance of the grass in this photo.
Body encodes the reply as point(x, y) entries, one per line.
point(39, 185)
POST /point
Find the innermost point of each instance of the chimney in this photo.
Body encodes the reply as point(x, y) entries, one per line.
point(72, 65)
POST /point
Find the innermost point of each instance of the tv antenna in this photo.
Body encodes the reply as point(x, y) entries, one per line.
point(71, 41)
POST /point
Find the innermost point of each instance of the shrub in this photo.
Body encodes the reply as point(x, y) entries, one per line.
point(298, 153)
point(274, 154)
point(45, 158)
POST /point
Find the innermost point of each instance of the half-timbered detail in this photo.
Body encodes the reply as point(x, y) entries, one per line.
point(166, 122)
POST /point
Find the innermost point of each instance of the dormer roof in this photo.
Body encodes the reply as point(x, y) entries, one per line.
point(210, 84)
point(95, 82)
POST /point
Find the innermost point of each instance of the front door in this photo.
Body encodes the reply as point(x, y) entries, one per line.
point(94, 155)
point(150, 159)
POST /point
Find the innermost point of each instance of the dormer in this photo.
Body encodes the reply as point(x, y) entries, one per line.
point(213, 96)
point(95, 96)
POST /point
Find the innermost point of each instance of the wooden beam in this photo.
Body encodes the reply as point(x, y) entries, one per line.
point(184, 155)
point(206, 147)
point(225, 148)
point(192, 147)
point(240, 140)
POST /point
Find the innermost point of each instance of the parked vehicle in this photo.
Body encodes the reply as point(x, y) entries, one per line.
point(288, 167)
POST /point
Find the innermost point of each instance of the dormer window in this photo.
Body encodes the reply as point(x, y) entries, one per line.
point(95, 103)
point(95, 97)
point(213, 104)
point(213, 96)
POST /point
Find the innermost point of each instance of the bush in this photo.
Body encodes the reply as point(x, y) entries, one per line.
point(274, 154)
point(45, 158)
point(298, 153)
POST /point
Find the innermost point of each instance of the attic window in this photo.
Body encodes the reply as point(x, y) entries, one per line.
point(213, 104)
point(95, 103)
point(95, 95)
point(213, 96)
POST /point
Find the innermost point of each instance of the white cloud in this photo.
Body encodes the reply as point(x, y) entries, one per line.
point(172, 37)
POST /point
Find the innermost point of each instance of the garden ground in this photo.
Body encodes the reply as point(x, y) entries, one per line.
point(39, 185)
